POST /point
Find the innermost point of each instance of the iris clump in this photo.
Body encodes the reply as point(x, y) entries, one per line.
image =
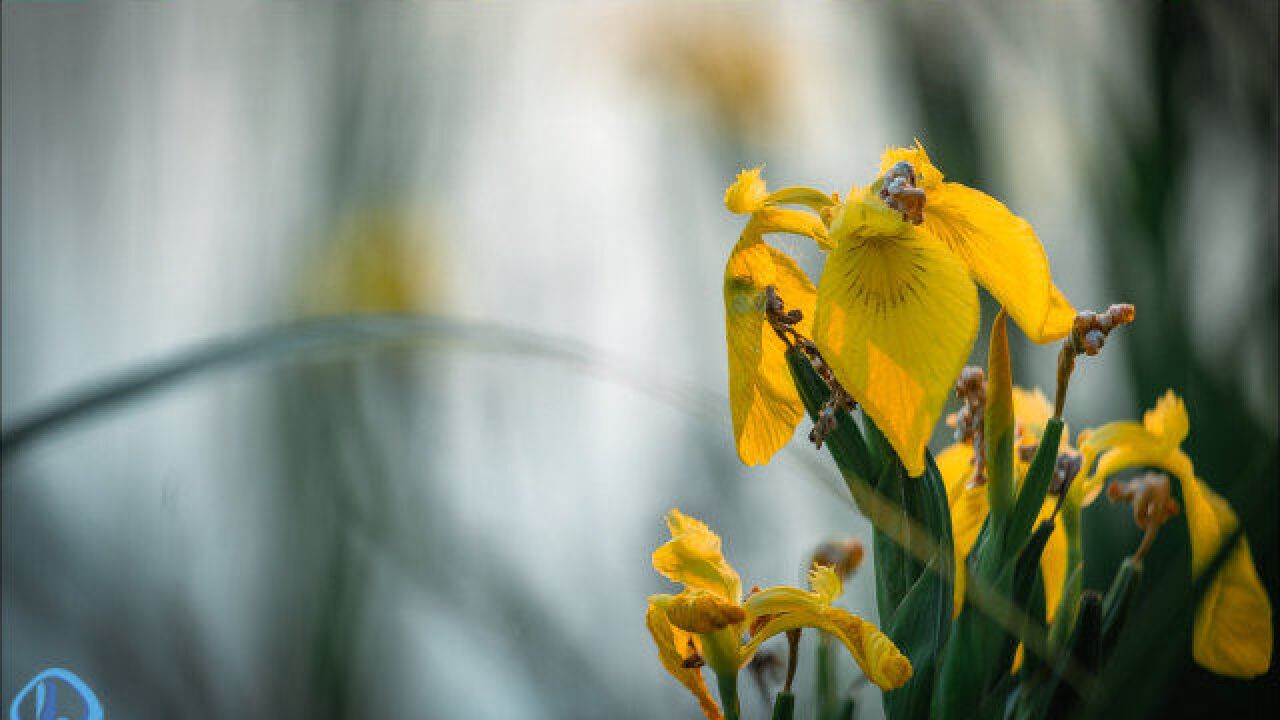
point(977, 553)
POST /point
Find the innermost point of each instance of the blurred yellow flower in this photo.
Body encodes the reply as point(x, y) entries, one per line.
point(378, 261)
point(969, 505)
point(709, 622)
point(1233, 633)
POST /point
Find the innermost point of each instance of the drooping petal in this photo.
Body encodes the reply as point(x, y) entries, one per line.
point(674, 646)
point(896, 318)
point(762, 397)
point(1000, 248)
point(693, 557)
point(875, 653)
point(1233, 633)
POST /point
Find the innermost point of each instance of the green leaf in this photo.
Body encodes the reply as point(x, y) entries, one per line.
point(1035, 486)
point(1115, 606)
point(920, 629)
point(1026, 578)
point(846, 443)
point(1052, 697)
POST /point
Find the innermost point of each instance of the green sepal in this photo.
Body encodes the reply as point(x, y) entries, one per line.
point(1116, 604)
point(784, 706)
point(1035, 486)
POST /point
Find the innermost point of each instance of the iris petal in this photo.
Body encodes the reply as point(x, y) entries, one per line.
point(672, 644)
point(765, 405)
point(693, 557)
point(896, 318)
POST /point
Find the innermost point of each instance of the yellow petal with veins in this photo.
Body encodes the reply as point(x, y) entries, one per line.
point(1003, 252)
point(762, 396)
point(674, 646)
point(896, 318)
point(1000, 248)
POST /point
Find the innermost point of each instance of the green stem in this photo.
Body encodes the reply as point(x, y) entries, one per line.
point(728, 683)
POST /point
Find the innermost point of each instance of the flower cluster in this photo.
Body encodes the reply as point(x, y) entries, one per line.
point(978, 552)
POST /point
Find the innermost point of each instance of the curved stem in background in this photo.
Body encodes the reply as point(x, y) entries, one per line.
point(351, 332)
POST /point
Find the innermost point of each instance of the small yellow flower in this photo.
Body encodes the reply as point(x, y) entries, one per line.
point(1233, 633)
point(969, 506)
point(709, 622)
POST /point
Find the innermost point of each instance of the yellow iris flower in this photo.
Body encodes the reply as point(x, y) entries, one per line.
point(896, 310)
point(969, 505)
point(1233, 632)
point(709, 621)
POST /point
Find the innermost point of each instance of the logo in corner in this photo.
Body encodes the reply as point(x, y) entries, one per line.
point(56, 694)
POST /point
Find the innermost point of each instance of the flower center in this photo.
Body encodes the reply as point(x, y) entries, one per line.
point(900, 192)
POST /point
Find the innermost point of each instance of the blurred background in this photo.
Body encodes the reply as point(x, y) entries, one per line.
point(453, 518)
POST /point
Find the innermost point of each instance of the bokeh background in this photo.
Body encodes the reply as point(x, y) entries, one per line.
point(453, 517)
